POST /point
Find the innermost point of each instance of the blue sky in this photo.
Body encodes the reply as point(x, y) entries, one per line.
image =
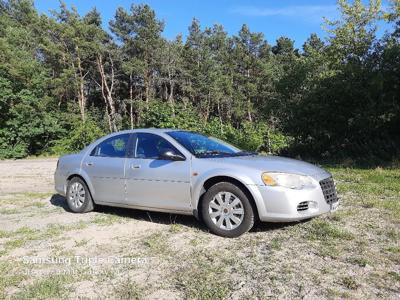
point(295, 19)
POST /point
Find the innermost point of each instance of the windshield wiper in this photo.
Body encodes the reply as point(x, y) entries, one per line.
point(214, 152)
point(246, 153)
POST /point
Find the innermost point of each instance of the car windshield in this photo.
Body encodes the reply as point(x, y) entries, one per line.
point(204, 146)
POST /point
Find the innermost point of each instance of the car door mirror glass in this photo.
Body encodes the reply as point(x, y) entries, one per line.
point(171, 155)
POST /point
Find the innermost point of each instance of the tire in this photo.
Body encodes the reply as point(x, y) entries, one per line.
point(79, 199)
point(226, 210)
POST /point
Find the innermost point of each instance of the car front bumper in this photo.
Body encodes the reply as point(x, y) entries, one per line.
point(280, 204)
point(60, 183)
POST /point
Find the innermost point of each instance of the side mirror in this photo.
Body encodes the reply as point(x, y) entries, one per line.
point(171, 155)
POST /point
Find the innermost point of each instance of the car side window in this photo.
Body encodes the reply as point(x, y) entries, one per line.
point(151, 146)
point(115, 146)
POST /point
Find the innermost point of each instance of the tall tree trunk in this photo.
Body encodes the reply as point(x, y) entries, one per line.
point(164, 88)
point(171, 89)
point(107, 91)
point(207, 113)
point(146, 78)
point(171, 93)
point(249, 116)
point(80, 86)
point(82, 100)
point(82, 95)
point(110, 126)
point(268, 141)
point(139, 109)
point(131, 99)
point(219, 116)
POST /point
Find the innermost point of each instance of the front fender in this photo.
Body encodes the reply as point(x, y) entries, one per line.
point(198, 184)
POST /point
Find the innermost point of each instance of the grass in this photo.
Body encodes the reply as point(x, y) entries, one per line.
point(25, 197)
point(9, 211)
point(395, 275)
point(323, 231)
point(393, 249)
point(359, 261)
point(81, 243)
point(23, 235)
point(175, 228)
point(10, 276)
point(19, 237)
point(203, 278)
point(373, 188)
point(50, 287)
point(156, 244)
point(38, 204)
point(276, 244)
point(20, 203)
point(128, 289)
point(349, 282)
point(34, 195)
point(335, 294)
point(108, 219)
point(4, 234)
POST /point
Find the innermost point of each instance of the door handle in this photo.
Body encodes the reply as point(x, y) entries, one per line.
point(135, 166)
point(89, 164)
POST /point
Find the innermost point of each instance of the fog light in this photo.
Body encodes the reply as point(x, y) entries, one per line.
point(313, 204)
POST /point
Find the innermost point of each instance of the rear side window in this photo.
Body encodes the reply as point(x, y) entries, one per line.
point(115, 146)
point(151, 146)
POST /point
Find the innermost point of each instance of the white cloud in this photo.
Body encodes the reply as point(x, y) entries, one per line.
point(308, 12)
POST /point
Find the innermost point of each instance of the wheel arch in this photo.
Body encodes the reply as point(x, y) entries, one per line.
point(211, 181)
point(81, 176)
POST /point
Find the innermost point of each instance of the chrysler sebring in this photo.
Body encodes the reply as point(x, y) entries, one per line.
point(184, 172)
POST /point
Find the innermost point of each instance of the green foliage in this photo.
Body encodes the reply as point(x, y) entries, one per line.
point(248, 136)
point(162, 115)
point(80, 135)
point(64, 79)
point(337, 100)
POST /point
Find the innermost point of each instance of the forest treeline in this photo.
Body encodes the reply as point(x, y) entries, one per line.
point(66, 79)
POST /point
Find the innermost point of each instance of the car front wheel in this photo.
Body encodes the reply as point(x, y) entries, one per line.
point(226, 210)
point(78, 196)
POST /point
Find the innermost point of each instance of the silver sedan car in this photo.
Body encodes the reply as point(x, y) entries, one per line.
point(184, 172)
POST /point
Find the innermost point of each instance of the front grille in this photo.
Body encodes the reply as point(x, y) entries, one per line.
point(302, 206)
point(329, 190)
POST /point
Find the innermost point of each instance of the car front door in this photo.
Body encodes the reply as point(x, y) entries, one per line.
point(153, 182)
point(105, 166)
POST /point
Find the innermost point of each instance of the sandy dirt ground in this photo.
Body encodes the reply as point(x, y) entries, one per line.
point(27, 176)
point(48, 252)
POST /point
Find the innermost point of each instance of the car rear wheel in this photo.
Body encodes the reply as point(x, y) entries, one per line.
point(226, 210)
point(78, 196)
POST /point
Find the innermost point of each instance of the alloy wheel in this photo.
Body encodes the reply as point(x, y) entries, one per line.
point(226, 210)
point(77, 194)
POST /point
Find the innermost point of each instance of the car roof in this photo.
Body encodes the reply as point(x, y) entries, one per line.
point(150, 130)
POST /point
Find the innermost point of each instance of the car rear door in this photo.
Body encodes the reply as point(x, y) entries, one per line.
point(155, 183)
point(105, 167)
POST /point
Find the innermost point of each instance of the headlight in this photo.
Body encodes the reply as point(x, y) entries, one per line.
point(291, 181)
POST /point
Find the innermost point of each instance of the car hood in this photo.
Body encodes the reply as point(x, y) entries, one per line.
point(270, 163)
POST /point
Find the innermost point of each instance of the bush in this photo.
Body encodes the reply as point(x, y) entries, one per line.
point(249, 136)
point(80, 135)
point(162, 115)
